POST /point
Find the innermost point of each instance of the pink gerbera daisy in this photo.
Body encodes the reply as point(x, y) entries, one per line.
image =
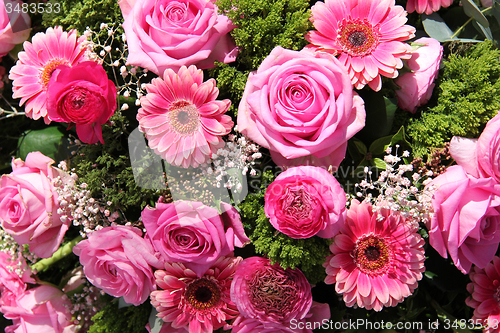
point(366, 35)
point(377, 258)
point(200, 304)
point(485, 290)
point(33, 70)
point(426, 6)
point(182, 119)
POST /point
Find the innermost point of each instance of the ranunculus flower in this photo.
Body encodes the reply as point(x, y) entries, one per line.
point(480, 157)
point(165, 34)
point(42, 309)
point(84, 96)
point(14, 26)
point(301, 107)
point(118, 260)
point(417, 86)
point(466, 220)
point(28, 204)
point(305, 201)
point(290, 298)
point(192, 233)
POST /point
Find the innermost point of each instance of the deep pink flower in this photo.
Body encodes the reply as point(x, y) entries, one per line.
point(466, 220)
point(426, 6)
point(366, 36)
point(480, 157)
point(28, 204)
point(417, 86)
point(170, 34)
point(84, 96)
point(290, 299)
point(14, 25)
point(198, 303)
point(306, 201)
point(182, 120)
point(485, 294)
point(119, 261)
point(37, 62)
point(42, 309)
point(192, 233)
point(376, 260)
point(301, 107)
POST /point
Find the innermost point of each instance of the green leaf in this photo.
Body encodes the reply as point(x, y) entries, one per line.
point(471, 10)
point(379, 163)
point(379, 115)
point(435, 27)
point(360, 146)
point(378, 146)
point(50, 141)
point(399, 137)
point(486, 32)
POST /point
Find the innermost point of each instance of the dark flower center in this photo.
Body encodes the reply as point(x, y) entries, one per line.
point(358, 37)
point(203, 294)
point(372, 255)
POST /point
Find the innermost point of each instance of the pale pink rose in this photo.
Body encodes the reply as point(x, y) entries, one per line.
point(14, 273)
point(466, 220)
point(119, 261)
point(84, 96)
point(417, 86)
point(192, 233)
point(480, 157)
point(28, 204)
point(301, 107)
point(173, 33)
point(306, 201)
point(42, 309)
point(14, 25)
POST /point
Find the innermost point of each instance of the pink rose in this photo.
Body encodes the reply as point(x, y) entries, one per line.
point(480, 157)
point(14, 25)
point(466, 218)
point(42, 309)
point(28, 204)
point(417, 86)
point(301, 107)
point(118, 260)
point(173, 33)
point(84, 96)
point(192, 233)
point(14, 273)
point(305, 201)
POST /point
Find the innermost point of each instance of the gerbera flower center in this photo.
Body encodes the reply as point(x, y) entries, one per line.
point(48, 69)
point(184, 118)
point(272, 291)
point(372, 255)
point(358, 37)
point(202, 294)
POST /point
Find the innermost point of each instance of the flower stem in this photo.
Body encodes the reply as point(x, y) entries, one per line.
point(62, 252)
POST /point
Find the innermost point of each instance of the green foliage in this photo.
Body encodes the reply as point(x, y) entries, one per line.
point(111, 319)
point(80, 14)
point(468, 98)
point(231, 83)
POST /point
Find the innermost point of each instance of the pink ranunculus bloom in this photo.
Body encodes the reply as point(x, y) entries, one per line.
point(301, 107)
point(192, 233)
point(417, 86)
point(466, 220)
point(84, 96)
point(173, 33)
point(306, 201)
point(426, 6)
point(29, 204)
point(119, 261)
point(480, 157)
point(42, 309)
point(181, 118)
point(291, 297)
point(14, 25)
point(484, 289)
point(377, 259)
point(197, 303)
point(366, 36)
point(32, 72)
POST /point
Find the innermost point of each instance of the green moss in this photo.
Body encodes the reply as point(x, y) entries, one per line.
point(468, 98)
point(111, 319)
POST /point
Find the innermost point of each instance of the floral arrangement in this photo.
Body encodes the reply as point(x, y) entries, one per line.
point(249, 166)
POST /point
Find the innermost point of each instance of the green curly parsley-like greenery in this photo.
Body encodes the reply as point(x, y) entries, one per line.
point(111, 319)
point(468, 97)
